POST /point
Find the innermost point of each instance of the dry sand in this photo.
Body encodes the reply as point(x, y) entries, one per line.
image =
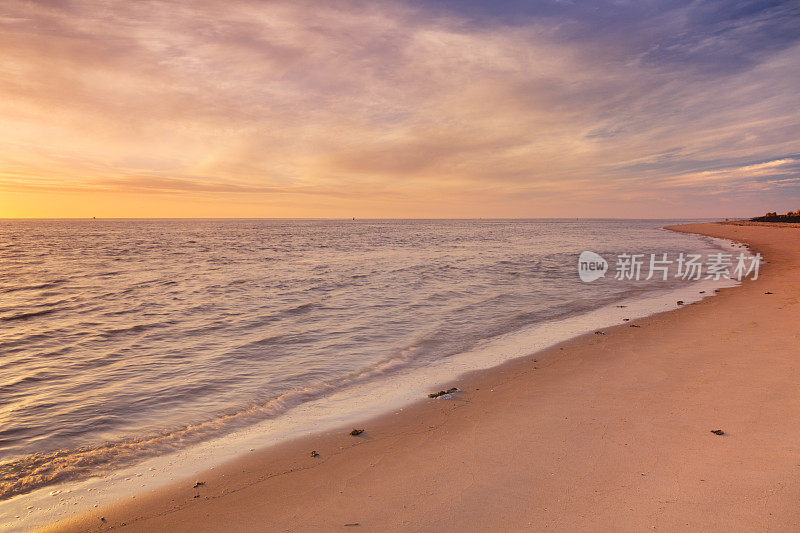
point(605, 432)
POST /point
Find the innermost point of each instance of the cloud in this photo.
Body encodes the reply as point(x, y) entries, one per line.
point(747, 175)
point(361, 102)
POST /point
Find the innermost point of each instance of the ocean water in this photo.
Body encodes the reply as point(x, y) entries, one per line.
point(123, 340)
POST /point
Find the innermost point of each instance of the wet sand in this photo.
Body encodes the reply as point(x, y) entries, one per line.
point(603, 432)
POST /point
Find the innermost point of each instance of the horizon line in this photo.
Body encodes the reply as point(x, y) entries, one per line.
point(376, 218)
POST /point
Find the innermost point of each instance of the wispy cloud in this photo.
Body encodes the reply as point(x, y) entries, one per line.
point(735, 176)
point(395, 109)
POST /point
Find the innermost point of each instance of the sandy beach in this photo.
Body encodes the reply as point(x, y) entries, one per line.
point(603, 432)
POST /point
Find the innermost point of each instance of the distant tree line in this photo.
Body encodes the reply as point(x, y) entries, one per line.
point(772, 216)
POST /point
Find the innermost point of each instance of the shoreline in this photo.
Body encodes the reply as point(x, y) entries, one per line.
point(279, 476)
point(53, 502)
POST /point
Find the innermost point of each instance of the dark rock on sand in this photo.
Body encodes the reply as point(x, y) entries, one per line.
point(314, 453)
point(199, 484)
point(356, 432)
point(680, 302)
point(717, 432)
point(443, 392)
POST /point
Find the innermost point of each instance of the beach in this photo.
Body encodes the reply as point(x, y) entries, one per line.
point(602, 432)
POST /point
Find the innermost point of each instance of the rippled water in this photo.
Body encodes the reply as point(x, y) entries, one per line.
point(125, 339)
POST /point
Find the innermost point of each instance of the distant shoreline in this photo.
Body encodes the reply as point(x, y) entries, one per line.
point(761, 223)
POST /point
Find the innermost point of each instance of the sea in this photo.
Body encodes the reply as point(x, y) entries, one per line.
point(135, 352)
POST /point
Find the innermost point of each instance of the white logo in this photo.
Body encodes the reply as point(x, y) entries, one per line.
point(591, 266)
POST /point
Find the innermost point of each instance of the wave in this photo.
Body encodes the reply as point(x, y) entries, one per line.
point(302, 308)
point(33, 472)
point(25, 316)
point(45, 285)
point(136, 328)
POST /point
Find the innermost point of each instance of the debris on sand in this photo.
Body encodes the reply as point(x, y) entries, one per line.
point(314, 453)
point(443, 392)
point(621, 306)
point(199, 484)
point(599, 333)
point(352, 524)
point(680, 302)
point(769, 292)
point(356, 432)
point(625, 319)
point(717, 432)
point(635, 326)
point(702, 292)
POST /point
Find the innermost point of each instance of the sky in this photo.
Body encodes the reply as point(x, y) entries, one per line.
point(401, 109)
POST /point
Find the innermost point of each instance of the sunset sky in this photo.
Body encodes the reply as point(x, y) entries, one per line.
point(399, 109)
